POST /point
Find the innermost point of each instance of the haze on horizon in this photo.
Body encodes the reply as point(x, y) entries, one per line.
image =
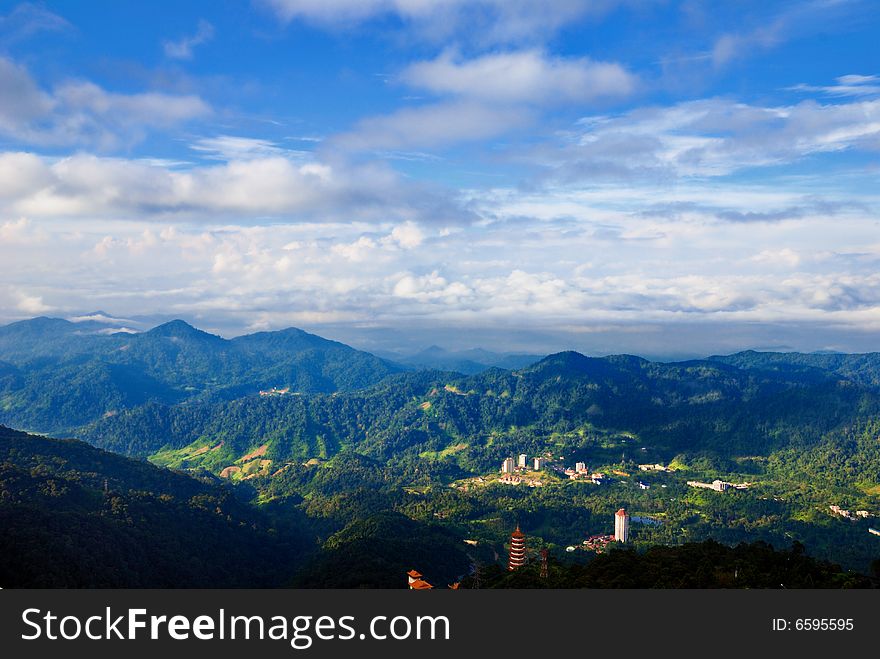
point(599, 175)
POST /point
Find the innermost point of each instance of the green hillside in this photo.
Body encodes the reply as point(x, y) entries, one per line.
point(72, 516)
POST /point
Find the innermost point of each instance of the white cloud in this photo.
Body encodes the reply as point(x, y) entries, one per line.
point(482, 21)
point(848, 85)
point(785, 257)
point(712, 137)
point(485, 97)
point(525, 76)
point(31, 304)
point(20, 98)
point(22, 232)
point(80, 113)
point(431, 288)
point(231, 147)
point(27, 19)
point(408, 235)
point(547, 259)
point(90, 186)
point(100, 318)
point(433, 126)
point(765, 33)
point(359, 250)
point(183, 48)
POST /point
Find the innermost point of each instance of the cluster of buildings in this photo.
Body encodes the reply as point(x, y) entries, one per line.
point(513, 468)
point(510, 466)
point(654, 467)
point(275, 391)
point(846, 514)
point(515, 479)
point(719, 485)
point(596, 543)
point(582, 472)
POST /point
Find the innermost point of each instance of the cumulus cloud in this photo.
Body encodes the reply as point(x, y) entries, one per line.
point(522, 76)
point(90, 186)
point(80, 113)
point(408, 235)
point(183, 48)
point(22, 232)
point(546, 259)
point(485, 97)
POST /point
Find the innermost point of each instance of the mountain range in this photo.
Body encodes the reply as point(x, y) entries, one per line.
point(334, 447)
point(56, 375)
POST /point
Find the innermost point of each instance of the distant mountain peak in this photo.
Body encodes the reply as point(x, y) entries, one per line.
point(40, 323)
point(289, 338)
point(432, 350)
point(179, 329)
point(566, 356)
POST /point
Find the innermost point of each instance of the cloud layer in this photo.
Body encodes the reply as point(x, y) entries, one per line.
point(595, 174)
point(79, 113)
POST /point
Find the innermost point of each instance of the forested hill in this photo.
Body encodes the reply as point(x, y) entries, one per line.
point(56, 375)
point(863, 369)
point(75, 516)
point(686, 406)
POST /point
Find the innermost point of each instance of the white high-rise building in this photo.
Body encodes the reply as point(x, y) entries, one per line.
point(523, 460)
point(507, 466)
point(580, 467)
point(538, 464)
point(621, 526)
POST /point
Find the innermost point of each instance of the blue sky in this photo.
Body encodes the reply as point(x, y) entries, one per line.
point(665, 177)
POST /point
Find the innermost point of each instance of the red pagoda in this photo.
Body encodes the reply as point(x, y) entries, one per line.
point(517, 549)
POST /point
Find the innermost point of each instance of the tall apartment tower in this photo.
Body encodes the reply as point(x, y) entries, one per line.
point(523, 460)
point(621, 526)
point(507, 466)
point(517, 549)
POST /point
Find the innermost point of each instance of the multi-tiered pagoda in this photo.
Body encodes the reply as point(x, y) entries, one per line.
point(517, 549)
